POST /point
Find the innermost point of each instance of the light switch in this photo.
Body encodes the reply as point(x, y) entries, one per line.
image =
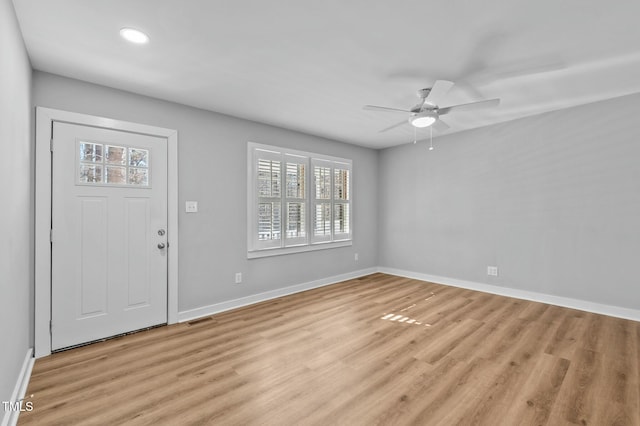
point(191, 207)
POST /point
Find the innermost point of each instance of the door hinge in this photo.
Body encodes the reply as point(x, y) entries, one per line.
point(51, 235)
point(51, 144)
point(50, 327)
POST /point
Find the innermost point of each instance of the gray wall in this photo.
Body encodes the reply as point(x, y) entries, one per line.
point(16, 211)
point(212, 151)
point(552, 200)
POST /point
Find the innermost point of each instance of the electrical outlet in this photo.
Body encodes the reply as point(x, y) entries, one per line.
point(492, 270)
point(355, 257)
point(238, 277)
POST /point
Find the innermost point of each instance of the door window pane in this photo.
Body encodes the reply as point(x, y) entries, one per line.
point(90, 173)
point(90, 152)
point(115, 155)
point(101, 164)
point(138, 157)
point(116, 175)
point(138, 176)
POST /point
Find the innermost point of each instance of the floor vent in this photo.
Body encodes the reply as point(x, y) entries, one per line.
point(198, 321)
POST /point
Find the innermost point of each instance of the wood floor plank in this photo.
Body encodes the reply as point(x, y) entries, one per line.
point(565, 340)
point(439, 401)
point(539, 391)
point(379, 350)
point(512, 366)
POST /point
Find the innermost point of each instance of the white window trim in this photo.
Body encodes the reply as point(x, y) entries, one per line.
point(309, 243)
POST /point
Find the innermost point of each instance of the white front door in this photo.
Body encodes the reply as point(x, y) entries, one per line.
point(109, 233)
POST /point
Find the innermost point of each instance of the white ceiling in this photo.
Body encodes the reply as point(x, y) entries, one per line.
point(311, 65)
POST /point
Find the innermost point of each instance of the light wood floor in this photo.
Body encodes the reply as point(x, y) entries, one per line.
point(345, 355)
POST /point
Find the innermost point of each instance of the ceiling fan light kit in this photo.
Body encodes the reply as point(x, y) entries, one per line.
point(423, 119)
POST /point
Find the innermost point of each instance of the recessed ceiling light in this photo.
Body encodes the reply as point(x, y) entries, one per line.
point(134, 36)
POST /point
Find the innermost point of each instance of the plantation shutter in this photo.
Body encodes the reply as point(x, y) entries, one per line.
point(295, 200)
point(268, 187)
point(341, 201)
point(322, 200)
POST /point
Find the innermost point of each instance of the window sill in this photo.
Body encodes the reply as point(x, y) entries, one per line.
point(297, 249)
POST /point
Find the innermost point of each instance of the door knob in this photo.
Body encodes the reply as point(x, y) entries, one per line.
point(161, 246)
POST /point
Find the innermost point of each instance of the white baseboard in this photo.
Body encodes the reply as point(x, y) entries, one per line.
point(582, 305)
point(268, 295)
point(10, 418)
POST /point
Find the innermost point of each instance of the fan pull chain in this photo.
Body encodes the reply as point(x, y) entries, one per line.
point(430, 138)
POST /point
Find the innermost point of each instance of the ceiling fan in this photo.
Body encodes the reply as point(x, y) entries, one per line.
point(427, 112)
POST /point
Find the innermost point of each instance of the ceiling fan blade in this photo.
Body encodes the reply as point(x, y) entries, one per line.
point(438, 92)
point(469, 106)
point(384, 109)
point(393, 126)
point(440, 126)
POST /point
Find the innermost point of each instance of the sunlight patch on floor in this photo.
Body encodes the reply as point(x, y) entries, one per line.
point(405, 319)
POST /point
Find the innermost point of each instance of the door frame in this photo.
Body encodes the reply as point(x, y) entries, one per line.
point(45, 117)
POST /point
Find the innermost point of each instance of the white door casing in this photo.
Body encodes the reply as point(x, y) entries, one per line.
point(46, 120)
point(109, 220)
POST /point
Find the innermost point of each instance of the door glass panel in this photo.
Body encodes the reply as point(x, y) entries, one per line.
point(116, 175)
point(90, 152)
point(90, 173)
point(101, 164)
point(116, 155)
point(138, 157)
point(138, 176)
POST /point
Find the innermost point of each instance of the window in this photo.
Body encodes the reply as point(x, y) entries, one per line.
point(298, 201)
point(100, 164)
